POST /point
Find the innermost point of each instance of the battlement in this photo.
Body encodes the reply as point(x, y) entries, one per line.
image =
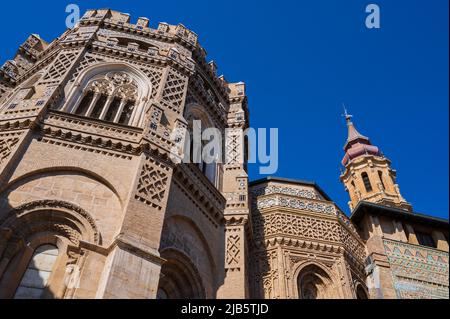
point(99, 28)
point(163, 31)
point(142, 25)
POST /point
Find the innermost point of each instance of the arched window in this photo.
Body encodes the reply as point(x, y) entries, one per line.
point(36, 262)
point(36, 277)
point(197, 117)
point(84, 104)
point(111, 97)
point(116, 92)
point(380, 175)
point(366, 182)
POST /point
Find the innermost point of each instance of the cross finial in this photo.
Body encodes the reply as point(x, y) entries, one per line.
point(346, 115)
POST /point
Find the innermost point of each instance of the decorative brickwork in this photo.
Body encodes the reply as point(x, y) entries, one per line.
point(8, 143)
point(98, 114)
point(418, 272)
point(152, 184)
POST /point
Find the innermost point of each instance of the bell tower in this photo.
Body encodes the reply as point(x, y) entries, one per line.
point(368, 175)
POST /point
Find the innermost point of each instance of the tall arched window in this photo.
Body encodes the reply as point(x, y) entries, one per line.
point(111, 97)
point(37, 274)
point(380, 175)
point(198, 118)
point(116, 92)
point(366, 182)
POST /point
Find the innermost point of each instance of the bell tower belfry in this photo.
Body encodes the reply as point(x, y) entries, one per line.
point(368, 175)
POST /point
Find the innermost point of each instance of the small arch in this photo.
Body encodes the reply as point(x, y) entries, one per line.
point(314, 282)
point(180, 278)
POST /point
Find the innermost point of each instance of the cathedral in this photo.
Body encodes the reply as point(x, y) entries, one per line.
point(95, 204)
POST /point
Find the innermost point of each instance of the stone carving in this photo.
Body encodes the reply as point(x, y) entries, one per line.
point(293, 225)
point(274, 189)
point(59, 67)
point(118, 84)
point(8, 143)
point(50, 204)
point(89, 59)
point(279, 224)
point(173, 92)
point(68, 232)
point(296, 203)
point(152, 185)
point(233, 250)
point(233, 149)
point(154, 74)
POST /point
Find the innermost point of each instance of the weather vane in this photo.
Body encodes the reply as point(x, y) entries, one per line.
point(346, 115)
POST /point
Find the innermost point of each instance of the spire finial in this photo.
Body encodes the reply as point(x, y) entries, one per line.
point(347, 116)
point(353, 133)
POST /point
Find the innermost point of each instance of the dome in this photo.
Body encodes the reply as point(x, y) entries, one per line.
point(357, 144)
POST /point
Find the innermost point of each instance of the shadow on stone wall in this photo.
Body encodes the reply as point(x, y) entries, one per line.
point(23, 272)
point(259, 263)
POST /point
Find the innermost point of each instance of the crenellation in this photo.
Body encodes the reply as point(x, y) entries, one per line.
point(91, 141)
point(142, 23)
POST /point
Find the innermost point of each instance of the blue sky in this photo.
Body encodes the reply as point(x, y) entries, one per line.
point(301, 60)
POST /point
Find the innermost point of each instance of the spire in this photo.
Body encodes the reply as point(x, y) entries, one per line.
point(353, 133)
point(368, 175)
point(357, 144)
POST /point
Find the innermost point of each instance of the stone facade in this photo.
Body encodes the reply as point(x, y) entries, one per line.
point(303, 246)
point(94, 202)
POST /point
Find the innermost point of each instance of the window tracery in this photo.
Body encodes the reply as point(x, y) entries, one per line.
point(112, 97)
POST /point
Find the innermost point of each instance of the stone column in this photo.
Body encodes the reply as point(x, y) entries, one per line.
point(76, 105)
point(93, 102)
point(106, 107)
point(132, 271)
point(120, 110)
point(235, 282)
point(133, 267)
